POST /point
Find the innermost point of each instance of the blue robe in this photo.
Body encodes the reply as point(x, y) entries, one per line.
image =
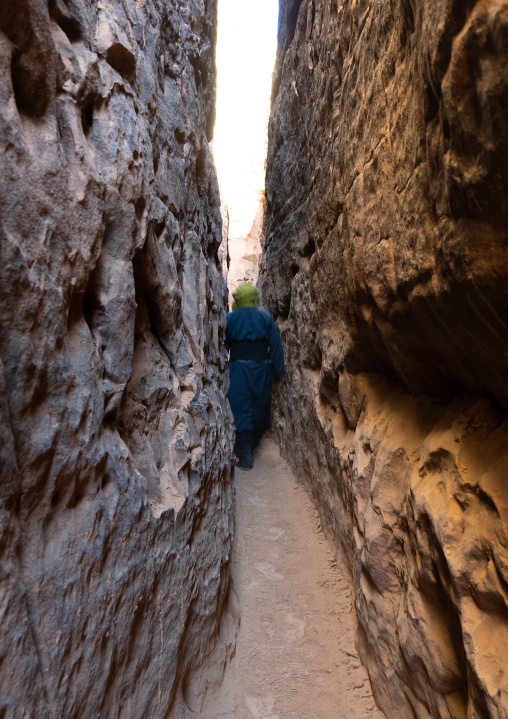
point(250, 392)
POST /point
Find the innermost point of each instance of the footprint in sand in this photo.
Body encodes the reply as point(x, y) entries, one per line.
point(261, 708)
point(274, 533)
point(257, 502)
point(297, 627)
point(268, 570)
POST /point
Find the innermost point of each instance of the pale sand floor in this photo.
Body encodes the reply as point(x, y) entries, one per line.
point(295, 655)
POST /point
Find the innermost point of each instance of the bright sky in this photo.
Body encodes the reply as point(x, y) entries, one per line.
point(246, 45)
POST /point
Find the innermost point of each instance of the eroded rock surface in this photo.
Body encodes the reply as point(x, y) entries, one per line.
point(386, 264)
point(115, 435)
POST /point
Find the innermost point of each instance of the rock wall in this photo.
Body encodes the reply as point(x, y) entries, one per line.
point(386, 263)
point(115, 435)
point(224, 245)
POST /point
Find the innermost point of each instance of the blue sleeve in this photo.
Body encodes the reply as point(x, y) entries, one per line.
point(276, 351)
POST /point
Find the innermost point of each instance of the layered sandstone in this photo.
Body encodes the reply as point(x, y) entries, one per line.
point(115, 435)
point(386, 264)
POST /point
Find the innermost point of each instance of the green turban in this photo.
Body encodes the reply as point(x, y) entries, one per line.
point(245, 296)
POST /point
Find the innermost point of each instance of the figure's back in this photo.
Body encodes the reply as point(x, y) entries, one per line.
point(248, 323)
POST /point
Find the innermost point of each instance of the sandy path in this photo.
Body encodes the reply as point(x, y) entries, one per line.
point(295, 656)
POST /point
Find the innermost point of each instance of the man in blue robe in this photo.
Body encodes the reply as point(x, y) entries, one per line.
point(255, 358)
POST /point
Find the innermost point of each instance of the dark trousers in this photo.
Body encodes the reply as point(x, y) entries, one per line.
point(246, 442)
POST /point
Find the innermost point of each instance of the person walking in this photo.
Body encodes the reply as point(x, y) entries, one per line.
point(255, 358)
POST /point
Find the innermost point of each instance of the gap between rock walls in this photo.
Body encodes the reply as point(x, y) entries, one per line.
point(378, 243)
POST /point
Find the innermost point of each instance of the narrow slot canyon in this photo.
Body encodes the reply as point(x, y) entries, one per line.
point(360, 568)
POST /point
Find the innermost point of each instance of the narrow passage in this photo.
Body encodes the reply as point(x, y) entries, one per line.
point(295, 655)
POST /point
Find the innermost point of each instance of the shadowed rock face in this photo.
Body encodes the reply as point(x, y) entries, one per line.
point(115, 435)
point(386, 263)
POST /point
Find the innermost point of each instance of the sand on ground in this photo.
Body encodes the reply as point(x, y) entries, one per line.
point(295, 654)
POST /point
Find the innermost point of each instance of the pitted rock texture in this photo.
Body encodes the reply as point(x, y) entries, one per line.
point(115, 434)
point(386, 264)
point(224, 245)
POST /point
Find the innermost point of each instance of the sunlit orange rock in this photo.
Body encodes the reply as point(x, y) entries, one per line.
point(385, 262)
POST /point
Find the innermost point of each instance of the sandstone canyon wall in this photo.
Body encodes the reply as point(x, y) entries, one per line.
point(386, 263)
point(115, 435)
